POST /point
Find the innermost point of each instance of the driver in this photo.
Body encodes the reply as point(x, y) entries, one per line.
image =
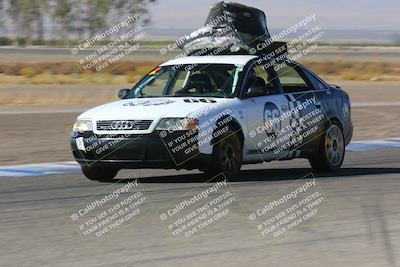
point(200, 82)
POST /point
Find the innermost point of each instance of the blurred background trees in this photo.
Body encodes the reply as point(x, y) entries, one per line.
point(27, 22)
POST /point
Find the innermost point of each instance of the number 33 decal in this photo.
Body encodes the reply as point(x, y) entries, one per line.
point(271, 118)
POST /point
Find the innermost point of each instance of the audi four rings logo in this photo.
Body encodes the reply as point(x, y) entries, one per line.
point(122, 125)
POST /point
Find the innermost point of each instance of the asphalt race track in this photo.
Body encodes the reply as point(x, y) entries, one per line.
point(360, 228)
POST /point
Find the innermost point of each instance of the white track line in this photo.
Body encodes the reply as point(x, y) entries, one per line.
point(370, 145)
point(40, 169)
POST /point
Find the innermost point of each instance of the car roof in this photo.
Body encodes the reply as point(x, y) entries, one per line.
point(234, 59)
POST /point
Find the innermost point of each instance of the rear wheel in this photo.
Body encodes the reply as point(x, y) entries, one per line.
point(99, 173)
point(331, 151)
point(227, 156)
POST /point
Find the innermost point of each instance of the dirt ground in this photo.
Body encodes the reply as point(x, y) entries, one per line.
point(371, 123)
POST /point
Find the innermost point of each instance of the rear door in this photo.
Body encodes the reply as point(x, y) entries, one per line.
point(264, 115)
point(307, 116)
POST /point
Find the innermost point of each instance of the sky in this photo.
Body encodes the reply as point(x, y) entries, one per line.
point(331, 14)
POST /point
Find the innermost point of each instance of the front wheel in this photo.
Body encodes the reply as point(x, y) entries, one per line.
point(99, 173)
point(331, 152)
point(227, 156)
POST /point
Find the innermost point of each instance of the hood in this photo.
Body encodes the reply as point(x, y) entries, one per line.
point(150, 108)
point(153, 109)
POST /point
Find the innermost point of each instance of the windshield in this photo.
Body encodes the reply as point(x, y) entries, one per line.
point(213, 80)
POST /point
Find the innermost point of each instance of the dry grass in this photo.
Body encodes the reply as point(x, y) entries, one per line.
point(361, 71)
point(131, 72)
point(86, 78)
point(66, 68)
point(71, 73)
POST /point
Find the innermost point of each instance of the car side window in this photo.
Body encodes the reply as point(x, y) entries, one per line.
point(179, 81)
point(155, 87)
point(317, 83)
point(291, 80)
point(258, 76)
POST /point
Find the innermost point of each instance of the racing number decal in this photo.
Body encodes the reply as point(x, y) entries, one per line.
point(191, 100)
point(271, 119)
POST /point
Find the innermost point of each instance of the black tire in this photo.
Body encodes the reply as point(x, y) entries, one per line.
point(99, 173)
point(227, 156)
point(331, 152)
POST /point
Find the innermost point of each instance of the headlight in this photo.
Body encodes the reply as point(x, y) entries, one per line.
point(81, 126)
point(177, 124)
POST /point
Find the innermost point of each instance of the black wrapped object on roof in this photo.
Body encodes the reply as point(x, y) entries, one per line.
point(231, 28)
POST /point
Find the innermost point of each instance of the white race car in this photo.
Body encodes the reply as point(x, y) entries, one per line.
point(215, 113)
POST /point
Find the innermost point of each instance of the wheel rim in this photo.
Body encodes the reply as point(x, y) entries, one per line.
point(229, 156)
point(334, 145)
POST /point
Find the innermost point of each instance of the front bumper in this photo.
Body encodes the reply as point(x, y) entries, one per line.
point(135, 151)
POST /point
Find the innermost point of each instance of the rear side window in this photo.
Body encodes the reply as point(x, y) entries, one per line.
point(291, 80)
point(260, 77)
point(317, 83)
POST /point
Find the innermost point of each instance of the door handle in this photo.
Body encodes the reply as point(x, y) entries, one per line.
point(318, 105)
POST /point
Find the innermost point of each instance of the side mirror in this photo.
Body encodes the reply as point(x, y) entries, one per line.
point(123, 92)
point(255, 90)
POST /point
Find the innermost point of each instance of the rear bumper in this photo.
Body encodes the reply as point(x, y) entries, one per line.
point(134, 152)
point(348, 133)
